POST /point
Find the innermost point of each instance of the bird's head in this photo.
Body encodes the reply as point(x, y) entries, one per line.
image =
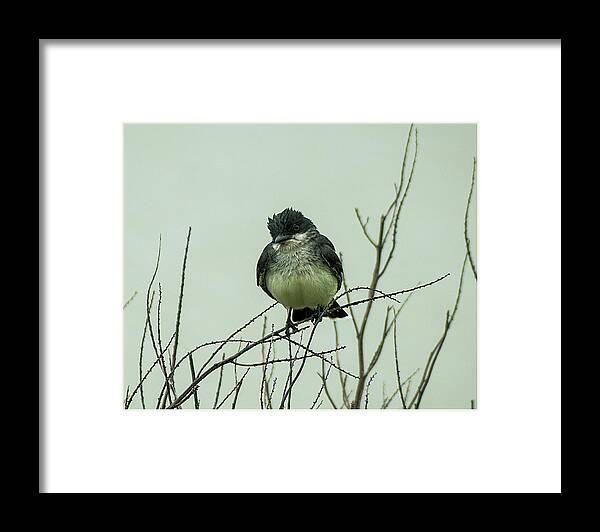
point(289, 225)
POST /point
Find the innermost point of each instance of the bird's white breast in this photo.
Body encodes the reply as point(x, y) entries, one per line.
point(298, 280)
point(304, 288)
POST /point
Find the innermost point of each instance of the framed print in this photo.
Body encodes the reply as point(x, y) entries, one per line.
point(337, 259)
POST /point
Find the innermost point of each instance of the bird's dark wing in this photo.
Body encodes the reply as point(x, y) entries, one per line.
point(330, 257)
point(261, 268)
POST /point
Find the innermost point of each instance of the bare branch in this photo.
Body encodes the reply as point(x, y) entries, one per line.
point(337, 347)
point(323, 377)
point(311, 354)
point(235, 390)
point(288, 391)
point(374, 290)
point(141, 357)
point(130, 300)
point(398, 369)
point(270, 396)
point(139, 385)
point(399, 209)
point(216, 401)
point(467, 239)
point(158, 353)
point(433, 356)
point(178, 321)
point(141, 382)
point(234, 333)
point(346, 292)
point(291, 372)
point(367, 390)
point(361, 332)
point(398, 189)
point(364, 227)
point(266, 361)
point(343, 380)
point(406, 291)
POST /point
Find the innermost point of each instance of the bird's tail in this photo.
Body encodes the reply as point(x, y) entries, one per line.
point(333, 311)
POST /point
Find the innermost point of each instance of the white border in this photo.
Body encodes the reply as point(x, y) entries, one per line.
point(512, 443)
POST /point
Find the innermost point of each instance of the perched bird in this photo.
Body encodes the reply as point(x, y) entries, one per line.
point(300, 269)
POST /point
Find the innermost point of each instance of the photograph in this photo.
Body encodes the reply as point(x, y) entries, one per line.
point(280, 242)
point(300, 266)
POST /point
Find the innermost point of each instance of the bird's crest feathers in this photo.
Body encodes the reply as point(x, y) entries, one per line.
point(288, 221)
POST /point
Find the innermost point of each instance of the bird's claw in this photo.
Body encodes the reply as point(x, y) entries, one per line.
point(289, 326)
point(318, 315)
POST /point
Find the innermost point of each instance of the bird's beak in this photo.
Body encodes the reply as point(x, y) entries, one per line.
point(282, 238)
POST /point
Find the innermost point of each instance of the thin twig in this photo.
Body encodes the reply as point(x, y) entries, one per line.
point(367, 390)
point(374, 290)
point(406, 291)
point(141, 356)
point(406, 383)
point(139, 385)
point(291, 361)
point(158, 353)
point(323, 377)
point(264, 373)
point(467, 239)
point(364, 227)
point(381, 264)
point(386, 331)
point(289, 402)
point(398, 369)
point(141, 381)
point(237, 331)
point(433, 356)
point(270, 396)
point(337, 345)
point(216, 401)
point(178, 321)
point(130, 300)
point(400, 205)
point(289, 389)
point(264, 382)
point(346, 293)
point(311, 354)
point(158, 326)
point(238, 387)
point(235, 389)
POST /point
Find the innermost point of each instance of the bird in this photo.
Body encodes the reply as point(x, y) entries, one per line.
point(300, 269)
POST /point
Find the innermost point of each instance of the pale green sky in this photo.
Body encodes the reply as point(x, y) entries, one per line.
point(225, 180)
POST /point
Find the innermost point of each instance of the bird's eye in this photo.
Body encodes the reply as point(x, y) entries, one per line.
point(296, 227)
